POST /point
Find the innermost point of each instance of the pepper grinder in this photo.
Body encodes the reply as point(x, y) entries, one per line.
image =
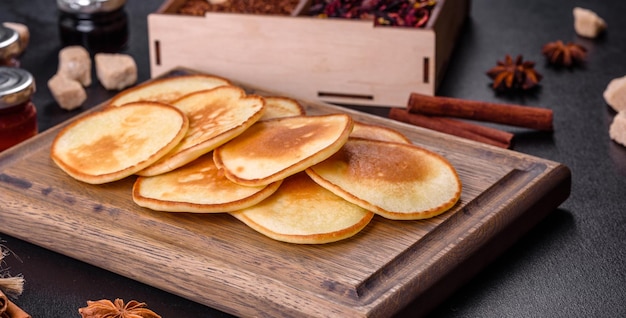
point(97, 25)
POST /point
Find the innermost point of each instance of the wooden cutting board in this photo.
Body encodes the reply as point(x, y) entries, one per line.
point(220, 262)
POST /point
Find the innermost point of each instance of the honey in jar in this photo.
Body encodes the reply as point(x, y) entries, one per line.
point(18, 114)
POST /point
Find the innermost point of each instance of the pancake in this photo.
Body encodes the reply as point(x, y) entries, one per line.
point(278, 106)
point(396, 181)
point(117, 142)
point(302, 212)
point(197, 187)
point(375, 132)
point(215, 117)
point(274, 149)
point(168, 89)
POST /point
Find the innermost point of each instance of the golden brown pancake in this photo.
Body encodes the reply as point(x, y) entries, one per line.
point(278, 106)
point(168, 89)
point(302, 212)
point(274, 149)
point(376, 132)
point(117, 142)
point(396, 181)
point(197, 187)
point(215, 117)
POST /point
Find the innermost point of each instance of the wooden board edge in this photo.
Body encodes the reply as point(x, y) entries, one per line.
point(486, 234)
point(558, 191)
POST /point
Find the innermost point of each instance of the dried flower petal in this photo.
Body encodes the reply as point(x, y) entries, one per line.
point(414, 13)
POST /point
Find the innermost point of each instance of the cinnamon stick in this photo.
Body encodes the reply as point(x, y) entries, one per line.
point(4, 304)
point(508, 114)
point(16, 312)
point(9, 309)
point(492, 133)
point(457, 128)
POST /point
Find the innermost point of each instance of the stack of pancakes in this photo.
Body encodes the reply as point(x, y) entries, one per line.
point(200, 144)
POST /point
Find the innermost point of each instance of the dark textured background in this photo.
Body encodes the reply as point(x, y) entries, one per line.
point(570, 265)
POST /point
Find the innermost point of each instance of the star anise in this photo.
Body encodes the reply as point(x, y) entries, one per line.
point(514, 74)
point(564, 54)
point(106, 309)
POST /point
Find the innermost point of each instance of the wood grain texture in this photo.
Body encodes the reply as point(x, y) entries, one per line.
point(220, 262)
point(331, 60)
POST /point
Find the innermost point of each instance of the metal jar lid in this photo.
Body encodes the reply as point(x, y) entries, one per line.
point(16, 86)
point(9, 42)
point(89, 6)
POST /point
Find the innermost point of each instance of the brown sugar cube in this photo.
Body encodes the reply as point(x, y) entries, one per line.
point(115, 71)
point(617, 130)
point(68, 93)
point(75, 63)
point(615, 94)
point(587, 23)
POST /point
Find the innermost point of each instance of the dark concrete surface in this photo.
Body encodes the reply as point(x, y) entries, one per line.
point(570, 265)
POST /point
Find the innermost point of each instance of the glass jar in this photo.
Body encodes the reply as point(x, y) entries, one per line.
point(18, 115)
point(97, 25)
point(9, 47)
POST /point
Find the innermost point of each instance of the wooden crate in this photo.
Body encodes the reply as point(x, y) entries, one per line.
point(332, 60)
